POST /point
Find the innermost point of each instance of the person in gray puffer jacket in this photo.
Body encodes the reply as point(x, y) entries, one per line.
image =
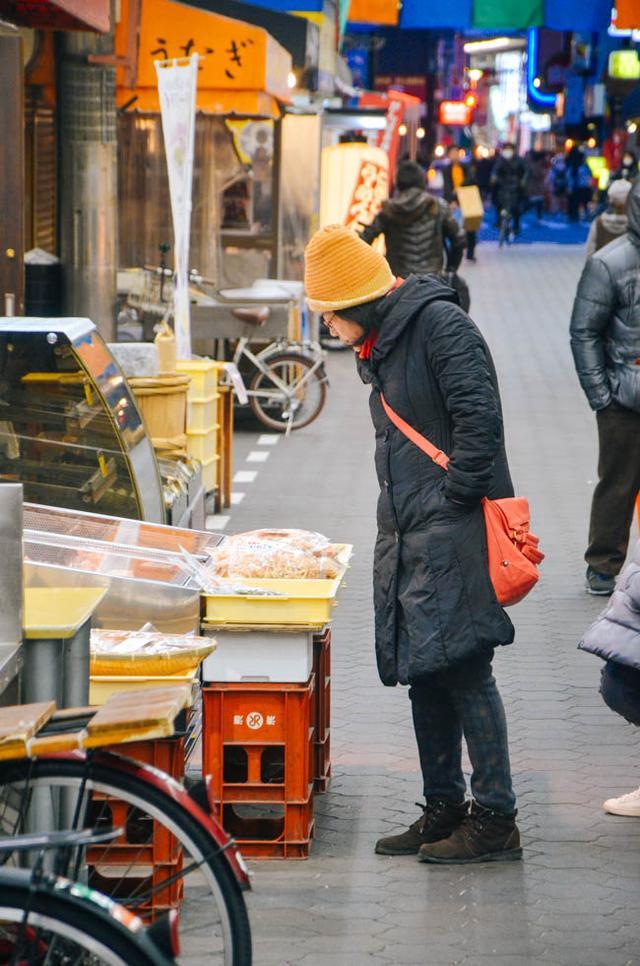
point(615, 637)
point(613, 222)
point(420, 230)
point(605, 341)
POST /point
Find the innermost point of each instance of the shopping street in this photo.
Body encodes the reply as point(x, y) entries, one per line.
point(575, 897)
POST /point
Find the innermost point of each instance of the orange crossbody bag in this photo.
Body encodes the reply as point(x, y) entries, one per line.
point(512, 550)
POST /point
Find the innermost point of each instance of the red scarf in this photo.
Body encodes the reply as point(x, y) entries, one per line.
point(367, 346)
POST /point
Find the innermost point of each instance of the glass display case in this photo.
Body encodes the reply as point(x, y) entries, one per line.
point(70, 430)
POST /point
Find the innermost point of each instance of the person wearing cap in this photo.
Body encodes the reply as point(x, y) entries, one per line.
point(437, 620)
point(611, 223)
point(605, 341)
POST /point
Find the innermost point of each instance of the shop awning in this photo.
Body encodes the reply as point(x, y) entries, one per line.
point(380, 12)
point(628, 14)
point(296, 34)
point(58, 14)
point(243, 69)
point(582, 15)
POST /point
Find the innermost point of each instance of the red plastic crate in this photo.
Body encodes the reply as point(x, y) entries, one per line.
point(265, 831)
point(142, 890)
point(258, 741)
point(322, 670)
point(166, 754)
point(143, 841)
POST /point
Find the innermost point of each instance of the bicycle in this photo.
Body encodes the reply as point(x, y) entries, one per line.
point(288, 389)
point(48, 920)
point(171, 849)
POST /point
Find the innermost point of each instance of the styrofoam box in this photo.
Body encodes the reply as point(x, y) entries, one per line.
point(260, 656)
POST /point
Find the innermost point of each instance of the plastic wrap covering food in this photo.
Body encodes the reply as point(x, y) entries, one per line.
point(146, 653)
point(275, 560)
point(306, 540)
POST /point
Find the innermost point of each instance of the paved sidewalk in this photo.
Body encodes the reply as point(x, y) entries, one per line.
point(576, 897)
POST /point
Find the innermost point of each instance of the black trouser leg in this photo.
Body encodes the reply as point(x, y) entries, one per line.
point(615, 494)
point(465, 701)
point(471, 243)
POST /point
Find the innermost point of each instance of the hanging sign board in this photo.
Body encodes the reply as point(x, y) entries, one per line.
point(624, 64)
point(455, 113)
point(177, 84)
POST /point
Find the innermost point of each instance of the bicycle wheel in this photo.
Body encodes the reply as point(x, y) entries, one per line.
point(165, 857)
point(305, 397)
point(66, 927)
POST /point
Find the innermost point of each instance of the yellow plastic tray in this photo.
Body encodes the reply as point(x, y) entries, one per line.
point(101, 688)
point(307, 602)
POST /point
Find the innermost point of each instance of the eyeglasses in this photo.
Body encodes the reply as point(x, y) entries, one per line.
point(327, 317)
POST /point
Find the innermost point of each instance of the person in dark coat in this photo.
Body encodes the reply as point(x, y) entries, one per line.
point(605, 341)
point(508, 183)
point(420, 230)
point(628, 169)
point(615, 637)
point(437, 619)
point(456, 175)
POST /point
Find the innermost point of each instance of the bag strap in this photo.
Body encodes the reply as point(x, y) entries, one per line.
point(416, 438)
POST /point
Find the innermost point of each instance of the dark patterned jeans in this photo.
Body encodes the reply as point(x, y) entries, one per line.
point(463, 701)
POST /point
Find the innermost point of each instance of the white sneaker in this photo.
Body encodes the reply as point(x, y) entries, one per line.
point(625, 805)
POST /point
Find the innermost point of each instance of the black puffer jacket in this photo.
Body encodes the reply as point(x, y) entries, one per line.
point(420, 233)
point(434, 602)
point(605, 324)
point(615, 635)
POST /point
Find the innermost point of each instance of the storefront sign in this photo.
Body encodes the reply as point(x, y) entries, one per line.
point(624, 64)
point(455, 113)
point(408, 83)
point(372, 187)
point(177, 85)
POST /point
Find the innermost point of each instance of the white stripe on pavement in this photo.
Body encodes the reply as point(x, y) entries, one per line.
point(237, 498)
point(268, 439)
point(217, 521)
point(245, 476)
point(258, 456)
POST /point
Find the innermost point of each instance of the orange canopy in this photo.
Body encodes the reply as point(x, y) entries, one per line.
point(628, 14)
point(243, 69)
point(374, 11)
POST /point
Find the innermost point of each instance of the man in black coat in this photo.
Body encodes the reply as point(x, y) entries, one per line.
point(436, 615)
point(508, 182)
point(605, 340)
point(420, 230)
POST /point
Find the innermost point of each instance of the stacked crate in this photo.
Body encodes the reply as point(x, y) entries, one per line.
point(146, 849)
point(266, 740)
point(203, 419)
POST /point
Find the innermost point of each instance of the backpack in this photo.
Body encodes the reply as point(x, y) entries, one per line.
point(560, 180)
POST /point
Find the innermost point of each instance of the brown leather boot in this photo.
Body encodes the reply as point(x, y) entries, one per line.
point(483, 836)
point(438, 820)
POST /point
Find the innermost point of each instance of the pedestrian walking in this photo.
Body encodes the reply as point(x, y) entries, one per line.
point(557, 182)
point(420, 230)
point(580, 183)
point(605, 340)
point(628, 169)
point(615, 637)
point(437, 619)
point(536, 173)
point(456, 175)
point(509, 179)
point(613, 222)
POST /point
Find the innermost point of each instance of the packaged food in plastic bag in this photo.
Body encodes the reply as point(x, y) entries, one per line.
point(146, 652)
point(257, 559)
point(306, 540)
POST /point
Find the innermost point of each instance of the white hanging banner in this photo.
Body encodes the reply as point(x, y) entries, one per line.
point(177, 86)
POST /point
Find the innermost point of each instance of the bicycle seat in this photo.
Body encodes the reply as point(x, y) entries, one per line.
point(58, 840)
point(255, 317)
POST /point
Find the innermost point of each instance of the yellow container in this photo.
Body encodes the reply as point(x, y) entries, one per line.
point(101, 688)
point(211, 473)
point(163, 404)
point(203, 374)
point(203, 446)
point(302, 602)
point(202, 414)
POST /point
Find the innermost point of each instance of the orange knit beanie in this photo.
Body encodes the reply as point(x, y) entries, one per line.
point(341, 270)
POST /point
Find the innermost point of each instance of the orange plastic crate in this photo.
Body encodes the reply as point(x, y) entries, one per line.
point(323, 765)
point(266, 831)
point(166, 754)
point(322, 671)
point(258, 741)
point(142, 890)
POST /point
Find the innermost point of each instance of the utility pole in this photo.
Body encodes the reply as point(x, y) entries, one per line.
point(88, 178)
point(12, 173)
